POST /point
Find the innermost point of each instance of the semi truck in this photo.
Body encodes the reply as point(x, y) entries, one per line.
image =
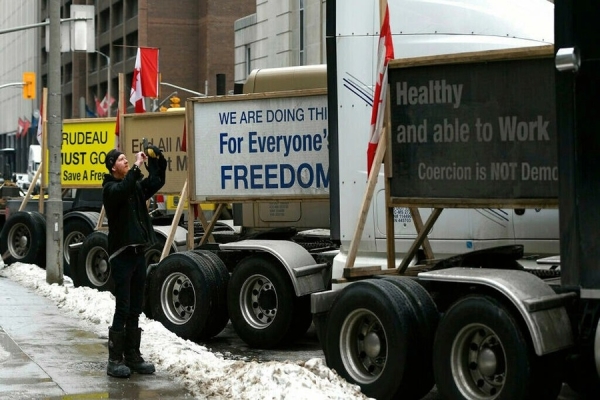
point(479, 325)
point(498, 325)
point(293, 163)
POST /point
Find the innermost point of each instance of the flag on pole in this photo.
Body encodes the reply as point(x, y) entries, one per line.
point(385, 53)
point(40, 126)
point(20, 127)
point(106, 103)
point(99, 110)
point(26, 125)
point(103, 106)
point(149, 70)
point(145, 77)
point(184, 140)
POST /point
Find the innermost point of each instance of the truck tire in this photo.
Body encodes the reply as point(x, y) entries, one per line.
point(154, 252)
point(480, 352)
point(261, 301)
point(419, 380)
point(181, 295)
point(147, 305)
point(152, 255)
point(93, 269)
point(75, 230)
point(23, 237)
point(219, 315)
point(370, 337)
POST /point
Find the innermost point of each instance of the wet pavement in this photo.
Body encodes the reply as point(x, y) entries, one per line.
point(46, 355)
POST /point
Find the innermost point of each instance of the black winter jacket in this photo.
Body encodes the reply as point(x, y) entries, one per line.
point(125, 205)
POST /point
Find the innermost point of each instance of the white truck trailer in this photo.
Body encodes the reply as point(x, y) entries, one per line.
point(290, 157)
point(502, 130)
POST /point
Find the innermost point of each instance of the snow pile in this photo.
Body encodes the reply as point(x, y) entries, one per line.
point(203, 373)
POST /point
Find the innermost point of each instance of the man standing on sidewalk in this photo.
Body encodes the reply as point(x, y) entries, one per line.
point(130, 232)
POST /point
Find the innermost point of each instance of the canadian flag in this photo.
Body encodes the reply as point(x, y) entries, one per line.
point(26, 126)
point(99, 110)
point(104, 105)
point(145, 77)
point(385, 53)
point(20, 127)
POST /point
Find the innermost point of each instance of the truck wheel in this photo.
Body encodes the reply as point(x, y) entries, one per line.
point(147, 307)
point(24, 238)
point(152, 255)
point(368, 334)
point(75, 231)
point(93, 269)
point(418, 380)
point(181, 295)
point(260, 299)
point(219, 315)
point(481, 353)
point(154, 252)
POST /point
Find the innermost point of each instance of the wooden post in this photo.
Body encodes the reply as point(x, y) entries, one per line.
point(178, 213)
point(368, 196)
point(100, 219)
point(31, 186)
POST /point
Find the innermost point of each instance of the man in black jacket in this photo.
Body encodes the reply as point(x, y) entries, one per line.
point(130, 232)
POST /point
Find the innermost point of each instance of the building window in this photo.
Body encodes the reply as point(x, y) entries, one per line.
point(248, 61)
point(117, 16)
point(302, 31)
point(131, 9)
point(104, 21)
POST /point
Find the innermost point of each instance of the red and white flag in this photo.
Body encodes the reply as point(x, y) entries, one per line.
point(20, 127)
point(40, 127)
point(385, 53)
point(145, 77)
point(184, 139)
point(26, 126)
point(104, 105)
point(99, 110)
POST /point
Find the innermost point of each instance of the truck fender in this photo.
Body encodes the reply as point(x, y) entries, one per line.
point(306, 275)
point(179, 239)
point(540, 307)
point(91, 217)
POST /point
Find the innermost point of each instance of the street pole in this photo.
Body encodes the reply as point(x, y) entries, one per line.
point(107, 78)
point(54, 217)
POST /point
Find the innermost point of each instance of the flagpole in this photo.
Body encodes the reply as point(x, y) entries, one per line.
point(107, 78)
point(372, 175)
point(368, 196)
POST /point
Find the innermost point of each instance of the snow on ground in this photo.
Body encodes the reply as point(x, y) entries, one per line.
point(203, 373)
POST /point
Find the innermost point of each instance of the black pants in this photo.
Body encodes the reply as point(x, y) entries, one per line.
point(128, 270)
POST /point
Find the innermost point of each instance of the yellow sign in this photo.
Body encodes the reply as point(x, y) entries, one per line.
point(173, 202)
point(85, 143)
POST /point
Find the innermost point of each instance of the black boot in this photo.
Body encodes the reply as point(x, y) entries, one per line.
point(116, 363)
point(133, 357)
